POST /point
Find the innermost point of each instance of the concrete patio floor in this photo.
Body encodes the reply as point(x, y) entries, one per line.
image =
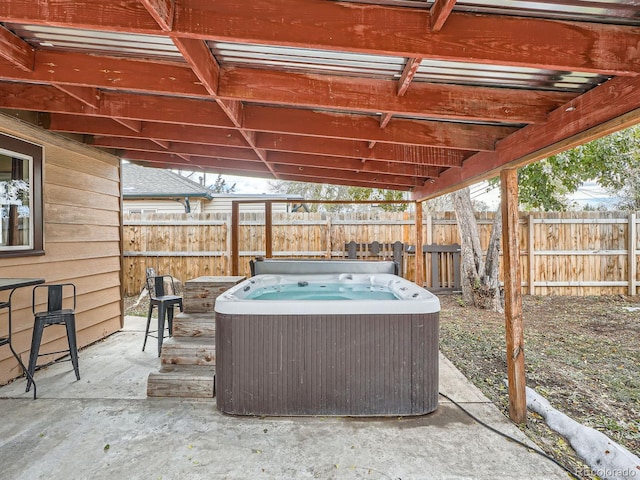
point(104, 427)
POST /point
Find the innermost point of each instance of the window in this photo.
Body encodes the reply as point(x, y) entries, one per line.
point(20, 197)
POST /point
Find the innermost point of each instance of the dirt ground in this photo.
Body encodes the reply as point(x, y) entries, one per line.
point(581, 353)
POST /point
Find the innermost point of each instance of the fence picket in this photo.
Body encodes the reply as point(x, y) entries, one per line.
point(585, 253)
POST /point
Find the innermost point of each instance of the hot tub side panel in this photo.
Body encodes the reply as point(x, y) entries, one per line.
point(327, 364)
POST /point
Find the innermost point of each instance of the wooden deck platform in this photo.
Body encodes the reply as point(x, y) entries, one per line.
point(188, 359)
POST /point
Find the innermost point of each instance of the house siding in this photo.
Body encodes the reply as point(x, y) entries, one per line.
point(82, 243)
point(160, 206)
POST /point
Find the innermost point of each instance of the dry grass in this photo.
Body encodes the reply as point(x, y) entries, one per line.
point(581, 353)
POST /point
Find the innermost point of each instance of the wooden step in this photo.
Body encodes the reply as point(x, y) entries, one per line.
point(194, 381)
point(189, 351)
point(194, 325)
point(199, 294)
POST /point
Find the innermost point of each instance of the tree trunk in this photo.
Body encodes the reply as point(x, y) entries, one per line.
point(480, 285)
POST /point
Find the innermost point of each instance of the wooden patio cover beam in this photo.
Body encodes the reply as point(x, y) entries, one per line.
point(277, 143)
point(181, 111)
point(15, 50)
point(602, 110)
point(375, 29)
point(429, 100)
point(257, 169)
point(440, 11)
point(177, 147)
point(150, 130)
point(344, 167)
point(292, 164)
point(204, 65)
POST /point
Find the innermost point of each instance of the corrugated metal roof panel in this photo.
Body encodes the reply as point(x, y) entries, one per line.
point(607, 11)
point(108, 43)
point(505, 76)
point(622, 12)
point(307, 60)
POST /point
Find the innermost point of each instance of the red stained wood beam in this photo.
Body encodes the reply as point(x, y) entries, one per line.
point(355, 165)
point(181, 111)
point(325, 91)
point(133, 125)
point(204, 162)
point(440, 11)
point(158, 131)
point(371, 95)
point(87, 95)
point(162, 12)
point(233, 109)
point(327, 175)
point(165, 147)
point(205, 66)
point(367, 128)
point(191, 149)
point(18, 52)
point(341, 181)
point(375, 29)
point(384, 120)
point(212, 167)
point(119, 105)
point(81, 69)
point(201, 60)
point(359, 149)
point(610, 107)
point(409, 71)
point(204, 141)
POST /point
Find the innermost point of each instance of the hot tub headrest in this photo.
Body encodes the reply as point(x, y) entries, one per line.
point(310, 266)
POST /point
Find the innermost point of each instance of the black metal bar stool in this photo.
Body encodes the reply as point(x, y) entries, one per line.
point(159, 297)
point(55, 314)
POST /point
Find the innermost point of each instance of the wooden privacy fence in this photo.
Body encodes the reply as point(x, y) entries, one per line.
point(576, 253)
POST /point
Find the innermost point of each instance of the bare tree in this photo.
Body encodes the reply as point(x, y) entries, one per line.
point(480, 284)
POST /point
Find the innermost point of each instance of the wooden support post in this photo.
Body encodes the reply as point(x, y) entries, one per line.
point(513, 297)
point(419, 254)
point(532, 259)
point(633, 270)
point(228, 245)
point(268, 229)
point(327, 237)
point(235, 252)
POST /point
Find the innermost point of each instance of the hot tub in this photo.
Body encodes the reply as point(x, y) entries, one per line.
point(327, 344)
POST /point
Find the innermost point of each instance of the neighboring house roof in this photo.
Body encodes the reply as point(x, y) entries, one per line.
point(143, 182)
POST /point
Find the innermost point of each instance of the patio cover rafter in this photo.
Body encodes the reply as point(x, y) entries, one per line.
point(523, 41)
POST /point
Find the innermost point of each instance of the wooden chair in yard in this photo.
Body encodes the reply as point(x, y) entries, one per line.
point(164, 295)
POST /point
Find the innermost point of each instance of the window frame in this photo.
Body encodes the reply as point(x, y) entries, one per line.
point(23, 148)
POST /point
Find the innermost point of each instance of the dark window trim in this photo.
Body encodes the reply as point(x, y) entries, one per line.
point(36, 152)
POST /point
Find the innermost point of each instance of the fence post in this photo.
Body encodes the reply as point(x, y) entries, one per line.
point(532, 270)
point(235, 248)
point(229, 248)
point(328, 237)
point(419, 241)
point(268, 228)
point(632, 255)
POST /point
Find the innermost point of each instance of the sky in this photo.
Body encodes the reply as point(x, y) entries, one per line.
point(247, 184)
